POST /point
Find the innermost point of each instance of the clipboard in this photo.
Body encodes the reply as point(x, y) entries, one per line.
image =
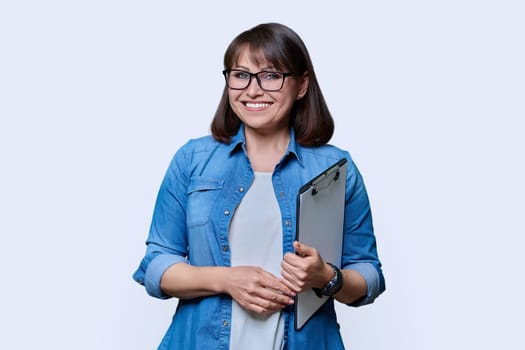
point(320, 220)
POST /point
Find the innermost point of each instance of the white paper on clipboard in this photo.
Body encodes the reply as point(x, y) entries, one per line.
point(320, 219)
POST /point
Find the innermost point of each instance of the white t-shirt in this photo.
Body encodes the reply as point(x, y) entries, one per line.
point(256, 240)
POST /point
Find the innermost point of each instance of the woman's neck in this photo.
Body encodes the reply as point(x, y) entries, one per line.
point(265, 151)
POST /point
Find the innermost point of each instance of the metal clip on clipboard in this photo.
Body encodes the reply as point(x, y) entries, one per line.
point(316, 186)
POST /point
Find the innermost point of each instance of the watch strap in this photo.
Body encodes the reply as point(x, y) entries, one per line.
point(335, 284)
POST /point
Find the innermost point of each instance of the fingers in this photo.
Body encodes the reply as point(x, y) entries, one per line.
point(304, 269)
point(259, 291)
point(272, 300)
point(293, 277)
point(263, 300)
point(274, 292)
point(304, 250)
point(270, 282)
point(260, 305)
point(305, 258)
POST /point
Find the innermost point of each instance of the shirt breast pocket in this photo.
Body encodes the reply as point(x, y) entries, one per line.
point(203, 192)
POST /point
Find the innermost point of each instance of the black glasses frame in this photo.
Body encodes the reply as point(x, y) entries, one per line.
point(226, 72)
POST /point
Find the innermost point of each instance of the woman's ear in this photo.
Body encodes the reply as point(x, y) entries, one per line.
point(303, 85)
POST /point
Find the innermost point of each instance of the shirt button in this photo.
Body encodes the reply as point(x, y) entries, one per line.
point(241, 189)
point(224, 248)
point(281, 194)
point(226, 212)
point(225, 323)
point(288, 223)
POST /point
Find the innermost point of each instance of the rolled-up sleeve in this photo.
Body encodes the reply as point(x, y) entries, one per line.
point(167, 240)
point(155, 270)
point(359, 244)
point(374, 282)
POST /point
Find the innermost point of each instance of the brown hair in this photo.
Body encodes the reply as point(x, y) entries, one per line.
point(279, 45)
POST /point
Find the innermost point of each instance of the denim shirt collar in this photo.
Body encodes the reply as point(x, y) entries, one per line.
point(294, 149)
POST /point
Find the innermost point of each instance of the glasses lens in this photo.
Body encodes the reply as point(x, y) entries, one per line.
point(271, 81)
point(238, 79)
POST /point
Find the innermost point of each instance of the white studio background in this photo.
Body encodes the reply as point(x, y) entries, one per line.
point(96, 96)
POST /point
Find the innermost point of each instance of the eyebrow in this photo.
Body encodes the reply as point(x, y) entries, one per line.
point(262, 69)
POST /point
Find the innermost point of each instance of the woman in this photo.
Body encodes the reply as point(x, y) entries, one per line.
point(223, 229)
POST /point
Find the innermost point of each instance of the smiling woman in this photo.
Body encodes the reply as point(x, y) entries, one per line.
point(264, 108)
point(222, 238)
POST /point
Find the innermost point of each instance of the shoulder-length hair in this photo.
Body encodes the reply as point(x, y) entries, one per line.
point(281, 47)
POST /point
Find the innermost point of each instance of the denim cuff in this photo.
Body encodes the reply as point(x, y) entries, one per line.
point(373, 282)
point(156, 269)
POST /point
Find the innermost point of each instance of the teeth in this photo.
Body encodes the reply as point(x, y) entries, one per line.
point(257, 105)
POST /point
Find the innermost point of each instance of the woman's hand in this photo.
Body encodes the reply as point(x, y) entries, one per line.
point(306, 269)
point(257, 290)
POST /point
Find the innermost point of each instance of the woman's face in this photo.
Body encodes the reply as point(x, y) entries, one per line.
point(263, 111)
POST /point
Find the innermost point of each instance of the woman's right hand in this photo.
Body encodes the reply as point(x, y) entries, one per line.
point(257, 290)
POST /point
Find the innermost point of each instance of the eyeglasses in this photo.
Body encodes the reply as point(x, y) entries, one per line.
point(237, 79)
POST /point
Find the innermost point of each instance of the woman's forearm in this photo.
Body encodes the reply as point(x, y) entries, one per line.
point(354, 287)
point(186, 281)
point(253, 288)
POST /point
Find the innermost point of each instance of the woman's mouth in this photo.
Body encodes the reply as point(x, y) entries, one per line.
point(257, 105)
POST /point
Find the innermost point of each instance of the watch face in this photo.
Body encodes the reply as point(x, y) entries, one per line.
point(334, 285)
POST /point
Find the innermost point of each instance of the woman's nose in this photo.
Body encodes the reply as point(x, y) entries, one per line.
point(253, 88)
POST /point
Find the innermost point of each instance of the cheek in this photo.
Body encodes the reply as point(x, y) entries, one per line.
point(234, 104)
point(234, 94)
point(287, 104)
point(233, 97)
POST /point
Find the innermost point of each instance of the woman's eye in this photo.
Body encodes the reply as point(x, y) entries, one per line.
point(271, 76)
point(241, 75)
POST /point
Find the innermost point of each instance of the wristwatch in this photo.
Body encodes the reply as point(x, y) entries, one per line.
point(334, 285)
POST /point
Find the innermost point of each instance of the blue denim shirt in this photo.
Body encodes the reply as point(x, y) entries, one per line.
point(204, 184)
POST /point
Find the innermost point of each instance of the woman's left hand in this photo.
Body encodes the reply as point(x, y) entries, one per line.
point(306, 269)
